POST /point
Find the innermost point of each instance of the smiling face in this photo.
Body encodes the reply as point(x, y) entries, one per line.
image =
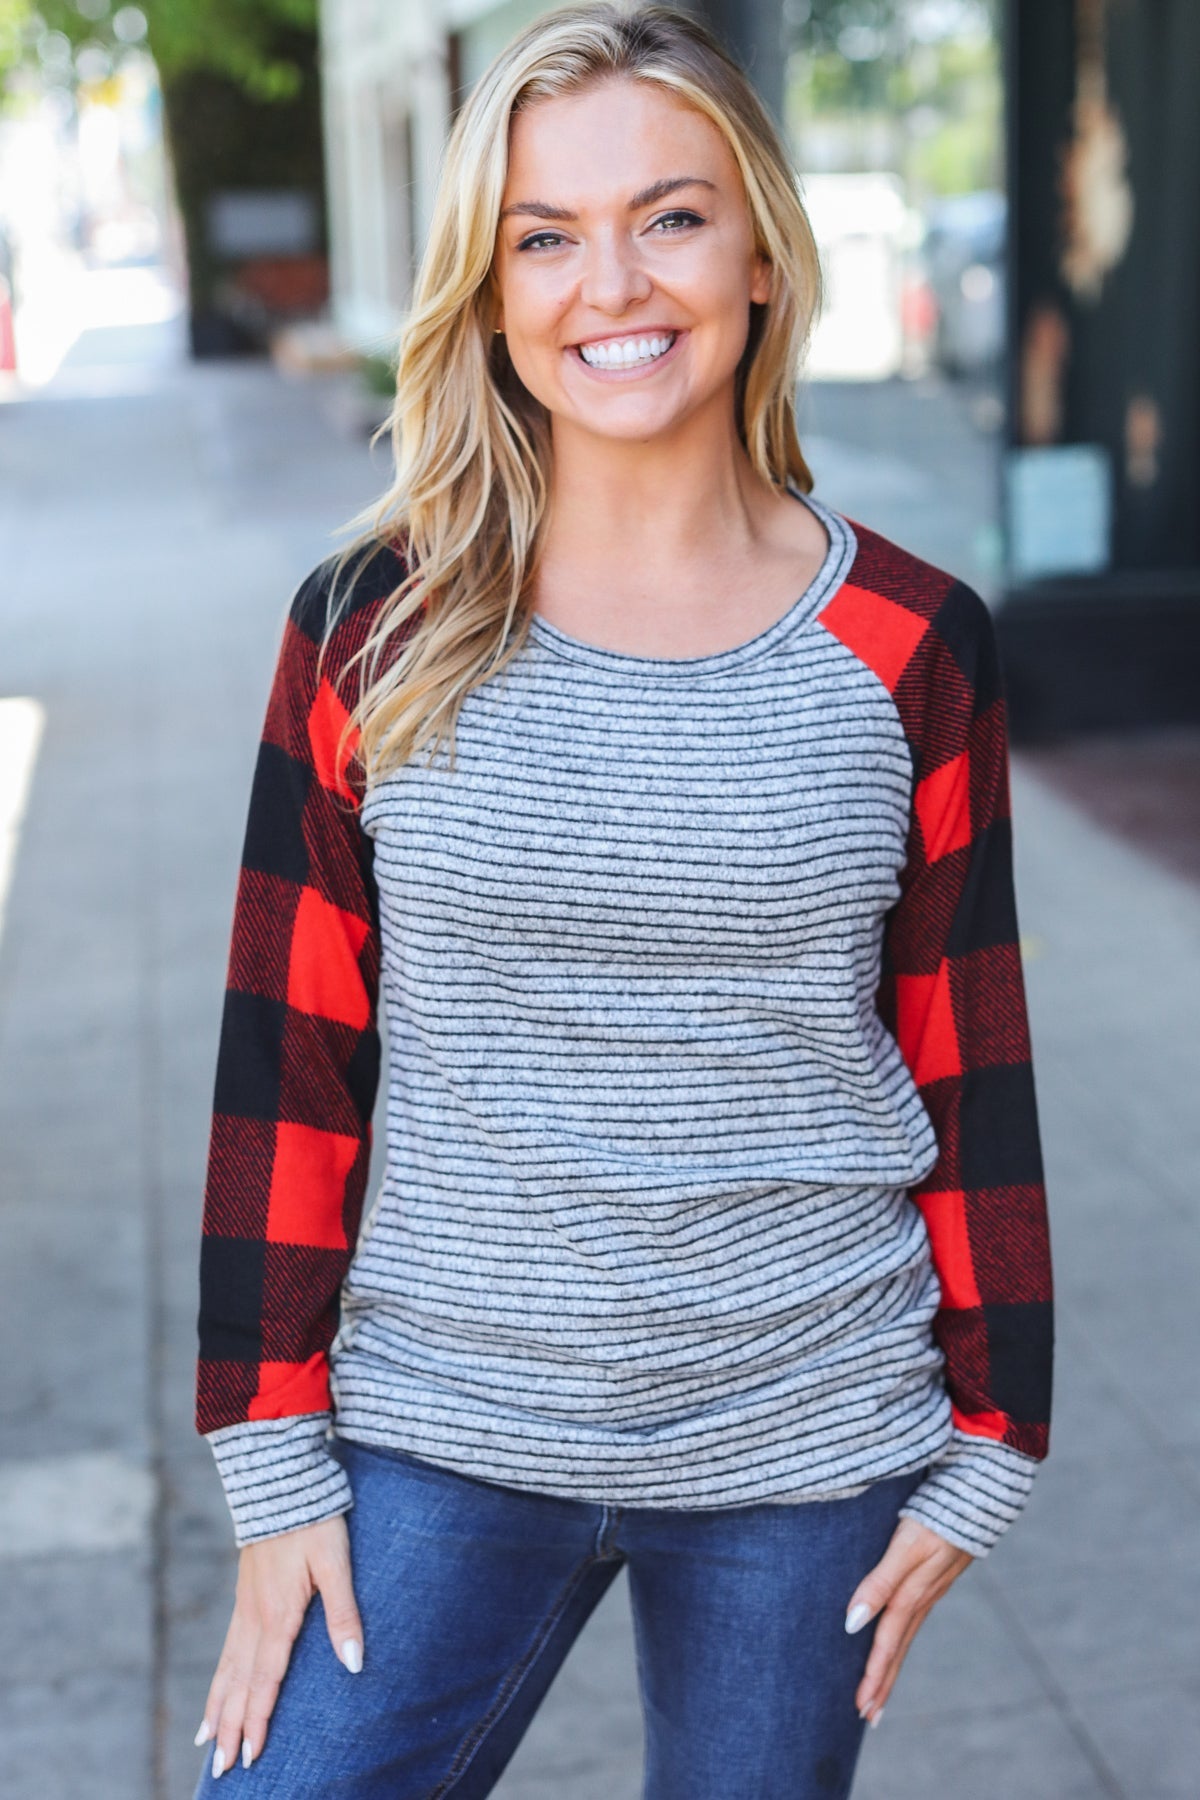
point(625, 262)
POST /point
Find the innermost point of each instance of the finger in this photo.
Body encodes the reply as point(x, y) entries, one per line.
point(270, 1666)
point(889, 1629)
point(336, 1587)
point(872, 1708)
point(234, 1652)
point(878, 1585)
point(228, 1729)
point(894, 1634)
point(212, 1712)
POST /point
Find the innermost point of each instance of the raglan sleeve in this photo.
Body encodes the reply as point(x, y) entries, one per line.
point(953, 993)
point(297, 1073)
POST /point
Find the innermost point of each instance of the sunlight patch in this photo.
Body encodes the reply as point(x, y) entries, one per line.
point(22, 722)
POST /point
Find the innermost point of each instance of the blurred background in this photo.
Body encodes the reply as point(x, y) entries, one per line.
point(210, 212)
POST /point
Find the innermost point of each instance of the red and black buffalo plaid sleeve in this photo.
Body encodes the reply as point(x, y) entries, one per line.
point(296, 1080)
point(952, 993)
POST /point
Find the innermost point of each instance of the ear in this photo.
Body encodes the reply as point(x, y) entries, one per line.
point(760, 281)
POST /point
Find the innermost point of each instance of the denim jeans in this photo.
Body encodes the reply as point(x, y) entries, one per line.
point(471, 1595)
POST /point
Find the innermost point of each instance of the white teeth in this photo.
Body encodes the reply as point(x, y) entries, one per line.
point(620, 353)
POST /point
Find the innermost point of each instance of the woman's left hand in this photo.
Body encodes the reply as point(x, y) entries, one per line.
point(914, 1572)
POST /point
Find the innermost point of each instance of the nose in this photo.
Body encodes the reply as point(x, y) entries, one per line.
point(613, 277)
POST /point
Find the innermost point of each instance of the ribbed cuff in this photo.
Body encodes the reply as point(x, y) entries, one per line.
point(973, 1493)
point(278, 1474)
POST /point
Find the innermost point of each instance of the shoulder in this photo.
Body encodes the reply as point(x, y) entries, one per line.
point(332, 614)
point(343, 595)
point(926, 633)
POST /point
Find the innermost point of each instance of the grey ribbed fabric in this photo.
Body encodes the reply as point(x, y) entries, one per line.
point(643, 1233)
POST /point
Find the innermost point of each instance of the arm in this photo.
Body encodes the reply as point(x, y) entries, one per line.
point(296, 1080)
point(953, 995)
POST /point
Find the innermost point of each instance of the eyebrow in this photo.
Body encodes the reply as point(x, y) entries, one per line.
point(542, 209)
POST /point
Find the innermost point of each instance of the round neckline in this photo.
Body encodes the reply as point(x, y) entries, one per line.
point(832, 572)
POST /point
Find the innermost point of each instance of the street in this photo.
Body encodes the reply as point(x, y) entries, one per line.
point(154, 520)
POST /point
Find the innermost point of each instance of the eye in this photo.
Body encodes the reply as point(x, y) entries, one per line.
point(688, 218)
point(538, 237)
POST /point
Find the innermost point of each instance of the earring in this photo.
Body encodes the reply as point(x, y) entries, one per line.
point(499, 330)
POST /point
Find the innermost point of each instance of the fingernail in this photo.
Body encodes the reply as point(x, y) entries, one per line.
point(352, 1655)
point(877, 1718)
point(218, 1766)
point(204, 1733)
point(857, 1617)
point(247, 1753)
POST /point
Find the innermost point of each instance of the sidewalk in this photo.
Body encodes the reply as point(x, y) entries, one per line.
point(151, 539)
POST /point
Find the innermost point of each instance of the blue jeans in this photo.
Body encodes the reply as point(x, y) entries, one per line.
point(471, 1595)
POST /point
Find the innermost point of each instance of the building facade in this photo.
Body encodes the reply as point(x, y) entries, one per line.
point(1100, 615)
point(392, 74)
point(392, 71)
point(1100, 622)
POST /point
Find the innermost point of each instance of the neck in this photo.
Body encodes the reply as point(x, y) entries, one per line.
point(670, 501)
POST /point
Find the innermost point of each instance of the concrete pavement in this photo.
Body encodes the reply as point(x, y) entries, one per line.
point(152, 526)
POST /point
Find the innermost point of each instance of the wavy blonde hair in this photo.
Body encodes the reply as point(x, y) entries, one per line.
point(472, 446)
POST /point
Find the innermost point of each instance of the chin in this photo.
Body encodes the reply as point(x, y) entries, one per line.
point(633, 430)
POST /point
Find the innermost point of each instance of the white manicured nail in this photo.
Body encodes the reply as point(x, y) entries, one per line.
point(857, 1617)
point(247, 1753)
point(218, 1767)
point(877, 1717)
point(204, 1733)
point(352, 1655)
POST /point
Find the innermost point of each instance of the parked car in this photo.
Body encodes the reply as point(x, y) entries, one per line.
point(964, 256)
point(8, 342)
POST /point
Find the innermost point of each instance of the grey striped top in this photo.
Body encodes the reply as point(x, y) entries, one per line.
point(642, 1235)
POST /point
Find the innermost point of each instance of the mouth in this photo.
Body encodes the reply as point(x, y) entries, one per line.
point(625, 358)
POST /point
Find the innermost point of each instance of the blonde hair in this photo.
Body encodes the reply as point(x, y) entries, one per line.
point(471, 444)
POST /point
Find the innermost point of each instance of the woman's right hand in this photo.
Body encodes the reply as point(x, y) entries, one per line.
point(277, 1577)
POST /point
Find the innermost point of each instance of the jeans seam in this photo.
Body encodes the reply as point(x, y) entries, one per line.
point(510, 1687)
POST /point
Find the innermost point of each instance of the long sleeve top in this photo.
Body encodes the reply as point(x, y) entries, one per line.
point(713, 1168)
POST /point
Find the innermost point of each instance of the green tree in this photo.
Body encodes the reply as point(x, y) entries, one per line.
point(924, 78)
point(821, 25)
point(241, 102)
point(240, 40)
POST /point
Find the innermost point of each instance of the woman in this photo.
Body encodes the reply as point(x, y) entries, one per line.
point(669, 810)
